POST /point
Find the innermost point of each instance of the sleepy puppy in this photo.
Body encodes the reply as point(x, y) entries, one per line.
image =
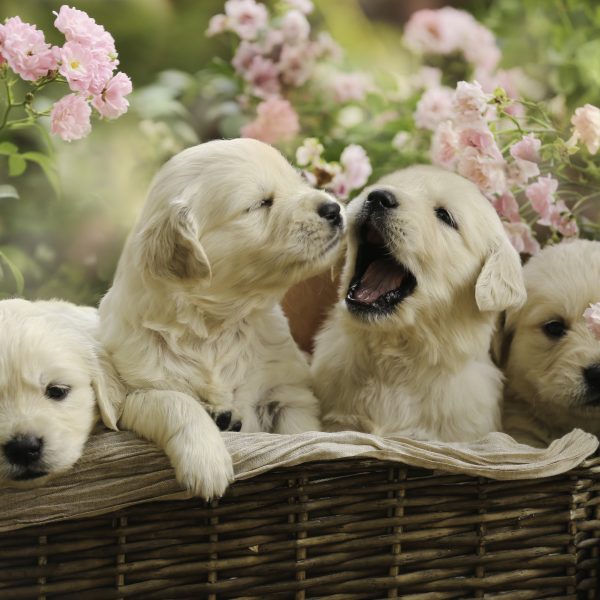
point(54, 376)
point(550, 358)
point(406, 349)
point(193, 320)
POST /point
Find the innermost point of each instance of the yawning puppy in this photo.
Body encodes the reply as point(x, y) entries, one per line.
point(406, 350)
point(551, 360)
point(193, 320)
point(54, 376)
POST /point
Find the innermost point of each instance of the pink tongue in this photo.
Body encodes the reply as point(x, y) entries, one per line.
point(381, 276)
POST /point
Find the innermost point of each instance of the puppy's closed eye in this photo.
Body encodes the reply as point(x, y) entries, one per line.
point(57, 392)
point(443, 215)
point(555, 329)
point(266, 202)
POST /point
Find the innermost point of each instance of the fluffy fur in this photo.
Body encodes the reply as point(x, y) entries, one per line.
point(422, 370)
point(193, 320)
point(547, 393)
point(50, 348)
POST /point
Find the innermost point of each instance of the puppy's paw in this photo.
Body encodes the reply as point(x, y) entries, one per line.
point(226, 420)
point(201, 462)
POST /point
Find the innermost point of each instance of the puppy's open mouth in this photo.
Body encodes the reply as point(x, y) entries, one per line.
point(379, 282)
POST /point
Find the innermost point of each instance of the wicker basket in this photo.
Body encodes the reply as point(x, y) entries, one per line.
point(344, 529)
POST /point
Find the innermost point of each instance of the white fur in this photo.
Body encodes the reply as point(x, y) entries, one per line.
point(52, 342)
point(424, 370)
point(193, 318)
point(545, 392)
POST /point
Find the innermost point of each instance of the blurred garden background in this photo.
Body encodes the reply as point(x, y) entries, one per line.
point(63, 226)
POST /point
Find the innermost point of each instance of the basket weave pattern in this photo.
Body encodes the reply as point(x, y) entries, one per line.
point(344, 529)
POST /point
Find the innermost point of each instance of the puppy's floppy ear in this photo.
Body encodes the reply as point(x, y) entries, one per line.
point(168, 246)
point(109, 390)
point(500, 284)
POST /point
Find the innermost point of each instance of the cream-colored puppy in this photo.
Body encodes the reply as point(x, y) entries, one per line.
point(53, 376)
point(406, 349)
point(193, 320)
point(550, 359)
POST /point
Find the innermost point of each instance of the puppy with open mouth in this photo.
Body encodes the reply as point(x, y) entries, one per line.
point(54, 380)
point(550, 358)
point(406, 349)
point(193, 319)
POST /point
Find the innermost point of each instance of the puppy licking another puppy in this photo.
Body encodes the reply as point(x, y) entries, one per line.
point(406, 350)
point(193, 320)
point(550, 358)
point(54, 376)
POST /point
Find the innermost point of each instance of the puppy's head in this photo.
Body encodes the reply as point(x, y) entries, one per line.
point(233, 215)
point(423, 241)
point(51, 377)
point(550, 358)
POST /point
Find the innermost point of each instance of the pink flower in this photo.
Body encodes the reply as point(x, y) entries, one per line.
point(507, 206)
point(592, 319)
point(479, 47)
point(327, 48)
point(487, 172)
point(276, 121)
point(295, 27)
point(244, 55)
point(482, 140)
point(521, 237)
point(70, 118)
point(356, 165)
point(246, 17)
point(216, 25)
point(526, 153)
point(350, 86)
point(434, 107)
point(79, 27)
point(528, 148)
point(444, 146)
point(426, 77)
point(25, 49)
point(296, 64)
point(541, 196)
point(263, 75)
point(470, 104)
point(563, 220)
point(85, 70)
point(304, 6)
point(586, 122)
point(111, 103)
point(433, 31)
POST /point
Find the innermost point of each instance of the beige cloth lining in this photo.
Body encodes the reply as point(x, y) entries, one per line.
point(118, 470)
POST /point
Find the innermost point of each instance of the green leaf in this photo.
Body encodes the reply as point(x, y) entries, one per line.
point(14, 270)
point(16, 165)
point(47, 165)
point(8, 191)
point(8, 148)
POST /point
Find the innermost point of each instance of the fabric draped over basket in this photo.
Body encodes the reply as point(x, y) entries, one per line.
point(119, 470)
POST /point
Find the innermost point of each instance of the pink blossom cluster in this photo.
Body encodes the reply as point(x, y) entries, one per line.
point(464, 141)
point(592, 319)
point(447, 31)
point(341, 178)
point(274, 53)
point(586, 127)
point(87, 61)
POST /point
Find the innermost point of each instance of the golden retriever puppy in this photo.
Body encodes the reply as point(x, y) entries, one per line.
point(406, 349)
point(550, 358)
point(54, 376)
point(193, 320)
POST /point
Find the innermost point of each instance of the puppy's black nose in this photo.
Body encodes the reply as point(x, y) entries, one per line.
point(381, 200)
point(591, 376)
point(332, 212)
point(23, 450)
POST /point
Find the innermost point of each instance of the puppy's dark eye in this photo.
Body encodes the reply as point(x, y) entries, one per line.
point(443, 215)
point(57, 392)
point(555, 329)
point(266, 203)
